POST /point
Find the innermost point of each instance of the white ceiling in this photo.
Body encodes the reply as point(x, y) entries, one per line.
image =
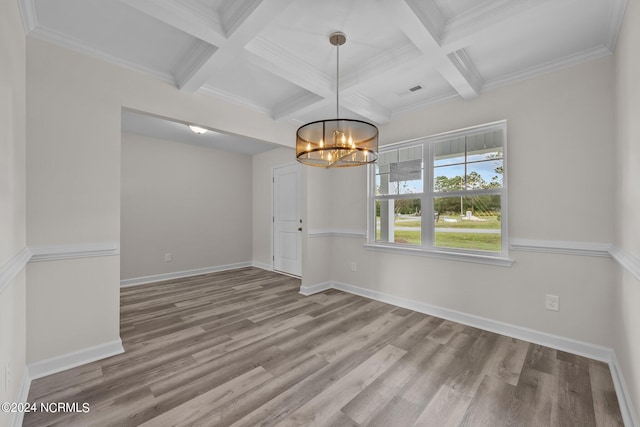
point(171, 130)
point(274, 56)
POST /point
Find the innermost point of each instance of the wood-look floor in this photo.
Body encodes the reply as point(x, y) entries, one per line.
point(243, 348)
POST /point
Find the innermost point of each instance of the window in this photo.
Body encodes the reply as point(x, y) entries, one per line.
point(444, 194)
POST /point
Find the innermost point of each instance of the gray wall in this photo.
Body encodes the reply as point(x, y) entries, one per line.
point(561, 169)
point(626, 210)
point(192, 202)
point(12, 202)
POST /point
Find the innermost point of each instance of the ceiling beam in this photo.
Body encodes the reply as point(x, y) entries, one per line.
point(424, 31)
point(365, 107)
point(299, 106)
point(462, 74)
point(460, 31)
point(233, 26)
point(185, 15)
point(385, 64)
point(248, 21)
point(279, 61)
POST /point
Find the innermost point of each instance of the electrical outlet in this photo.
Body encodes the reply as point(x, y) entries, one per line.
point(552, 302)
point(168, 258)
point(354, 266)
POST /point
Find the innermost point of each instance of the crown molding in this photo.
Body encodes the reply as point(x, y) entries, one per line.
point(417, 106)
point(387, 62)
point(29, 16)
point(72, 251)
point(71, 43)
point(188, 16)
point(366, 107)
point(234, 13)
point(548, 67)
point(298, 105)
point(198, 54)
point(478, 18)
point(429, 16)
point(616, 17)
point(279, 61)
point(238, 100)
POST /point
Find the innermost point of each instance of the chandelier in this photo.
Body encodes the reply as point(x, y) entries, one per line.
point(337, 142)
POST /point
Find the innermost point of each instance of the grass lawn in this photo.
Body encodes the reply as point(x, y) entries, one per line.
point(478, 241)
point(482, 242)
point(410, 237)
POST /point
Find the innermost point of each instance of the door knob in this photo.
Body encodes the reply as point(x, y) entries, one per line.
point(299, 228)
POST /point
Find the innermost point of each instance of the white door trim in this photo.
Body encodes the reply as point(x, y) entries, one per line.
point(274, 228)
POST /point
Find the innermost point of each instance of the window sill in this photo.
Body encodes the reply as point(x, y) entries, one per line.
point(454, 256)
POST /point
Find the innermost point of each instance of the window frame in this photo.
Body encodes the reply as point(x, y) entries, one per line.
point(427, 246)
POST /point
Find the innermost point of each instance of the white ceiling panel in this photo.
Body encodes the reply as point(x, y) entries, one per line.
point(274, 56)
point(245, 80)
point(454, 8)
point(547, 43)
point(115, 30)
point(170, 130)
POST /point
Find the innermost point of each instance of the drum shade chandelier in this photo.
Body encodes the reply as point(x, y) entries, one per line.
point(337, 142)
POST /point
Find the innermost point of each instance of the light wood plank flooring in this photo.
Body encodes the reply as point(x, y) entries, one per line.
point(243, 348)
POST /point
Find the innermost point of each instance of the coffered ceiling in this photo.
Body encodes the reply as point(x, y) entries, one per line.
point(274, 56)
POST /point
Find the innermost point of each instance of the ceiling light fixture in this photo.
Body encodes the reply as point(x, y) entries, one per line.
point(198, 129)
point(337, 142)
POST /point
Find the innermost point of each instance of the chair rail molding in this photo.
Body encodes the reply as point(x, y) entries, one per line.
point(358, 234)
point(561, 247)
point(71, 251)
point(12, 267)
point(626, 260)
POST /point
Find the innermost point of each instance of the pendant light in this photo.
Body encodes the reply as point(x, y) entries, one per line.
point(337, 142)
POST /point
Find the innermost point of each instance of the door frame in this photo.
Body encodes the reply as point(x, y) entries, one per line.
point(273, 214)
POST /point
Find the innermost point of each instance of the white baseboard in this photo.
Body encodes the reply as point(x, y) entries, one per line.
point(314, 289)
point(180, 274)
point(581, 348)
point(23, 395)
point(71, 360)
point(261, 265)
point(626, 405)
point(549, 340)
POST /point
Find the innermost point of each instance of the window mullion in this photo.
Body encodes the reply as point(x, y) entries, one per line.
point(481, 198)
point(427, 222)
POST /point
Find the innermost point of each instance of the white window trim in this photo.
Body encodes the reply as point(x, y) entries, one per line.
point(482, 257)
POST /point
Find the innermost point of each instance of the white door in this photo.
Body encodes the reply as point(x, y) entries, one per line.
point(287, 222)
